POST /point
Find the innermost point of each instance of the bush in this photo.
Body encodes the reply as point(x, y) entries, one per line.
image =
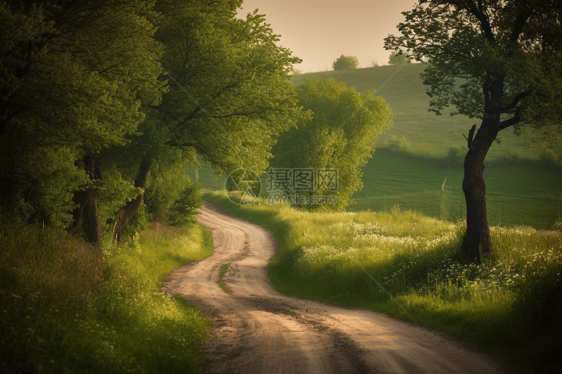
point(455, 155)
point(345, 62)
point(552, 156)
point(397, 59)
point(399, 144)
point(183, 211)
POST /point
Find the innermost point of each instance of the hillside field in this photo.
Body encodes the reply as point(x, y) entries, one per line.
point(521, 190)
point(426, 132)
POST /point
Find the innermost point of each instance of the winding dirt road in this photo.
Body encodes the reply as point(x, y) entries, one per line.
point(255, 329)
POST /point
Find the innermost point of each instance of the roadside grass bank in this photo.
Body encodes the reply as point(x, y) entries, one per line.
point(510, 305)
point(67, 310)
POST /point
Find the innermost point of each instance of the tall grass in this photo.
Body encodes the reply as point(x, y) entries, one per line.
point(510, 304)
point(66, 309)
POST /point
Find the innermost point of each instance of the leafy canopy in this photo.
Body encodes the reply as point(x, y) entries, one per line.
point(230, 93)
point(489, 58)
point(73, 78)
point(341, 135)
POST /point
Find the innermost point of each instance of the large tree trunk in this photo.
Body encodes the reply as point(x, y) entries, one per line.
point(478, 241)
point(86, 214)
point(126, 214)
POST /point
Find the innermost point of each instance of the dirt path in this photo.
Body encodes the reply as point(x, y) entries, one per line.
point(258, 330)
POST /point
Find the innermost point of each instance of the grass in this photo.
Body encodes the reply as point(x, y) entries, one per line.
point(510, 305)
point(518, 193)
point(222, 271)
point(66, 309)
point(525, 193)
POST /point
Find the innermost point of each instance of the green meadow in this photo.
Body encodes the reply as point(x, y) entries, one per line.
point(510, 305)
point(525, 193)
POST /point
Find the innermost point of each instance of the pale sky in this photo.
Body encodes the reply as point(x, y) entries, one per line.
point(319, 31)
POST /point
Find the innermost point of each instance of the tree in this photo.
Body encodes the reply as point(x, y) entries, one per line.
point(491, 60)
point(73, 79)
point(341, 135)
point(345, 62)
point(397, 58)
point(229, 93)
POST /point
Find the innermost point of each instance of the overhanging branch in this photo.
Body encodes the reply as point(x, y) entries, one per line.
point(520, 96)
point(510, 122)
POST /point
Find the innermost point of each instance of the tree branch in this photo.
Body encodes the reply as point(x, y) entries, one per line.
point(484, 22)
point(510, 122)
point(519, 24)
point(520, 96)
point(471, 136)
point(234, 115)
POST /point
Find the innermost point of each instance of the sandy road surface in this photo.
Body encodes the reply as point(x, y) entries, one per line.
point(258, 330)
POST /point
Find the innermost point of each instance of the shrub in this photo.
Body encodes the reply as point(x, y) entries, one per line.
point(345, 62)
point(399, 144)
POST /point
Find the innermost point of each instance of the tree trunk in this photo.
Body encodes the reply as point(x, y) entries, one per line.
point(478, 241)
point(126, 214)
point(87, 211)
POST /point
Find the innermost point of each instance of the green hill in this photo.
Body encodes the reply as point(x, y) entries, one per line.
point(426, 132)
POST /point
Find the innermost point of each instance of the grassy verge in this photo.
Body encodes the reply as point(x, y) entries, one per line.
point(222, 271)
point(65, 309)
point(509, 305)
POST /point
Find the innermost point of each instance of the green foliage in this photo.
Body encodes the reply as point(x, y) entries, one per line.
point(68, 88)
point(552, 155)
point(184, 209)
point(66, 310)
point(455, 156)
point(397, 58)
point(341, 134)
point(113, 193)
point(345, 62)
point(489, 61)
point(507, 305)
point(170, 194)
point(399, 144)
point(235, 95)
point(40, 186)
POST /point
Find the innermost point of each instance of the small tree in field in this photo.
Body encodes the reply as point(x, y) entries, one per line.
point(345, 62)
point(340, 135)
point(397, 59)
point(495, 60)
